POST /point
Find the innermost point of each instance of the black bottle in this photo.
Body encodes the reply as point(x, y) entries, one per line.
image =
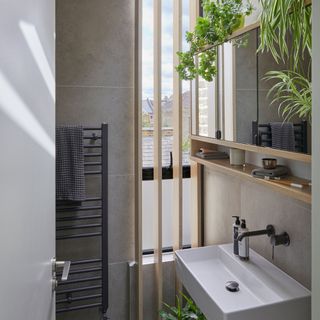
point(236, 227)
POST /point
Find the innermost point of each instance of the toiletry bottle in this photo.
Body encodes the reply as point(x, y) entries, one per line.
point(236, 227)
point(244, 243)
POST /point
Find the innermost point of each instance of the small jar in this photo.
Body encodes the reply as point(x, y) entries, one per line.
point(237, 157)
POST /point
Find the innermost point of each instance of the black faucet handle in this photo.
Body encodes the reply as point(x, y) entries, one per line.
point(270, 230)
point(280, 239)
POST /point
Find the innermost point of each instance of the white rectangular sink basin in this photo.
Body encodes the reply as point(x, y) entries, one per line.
point(265, 292)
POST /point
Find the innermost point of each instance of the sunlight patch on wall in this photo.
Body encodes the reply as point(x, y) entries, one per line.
point(15, 108)
point(33, 40)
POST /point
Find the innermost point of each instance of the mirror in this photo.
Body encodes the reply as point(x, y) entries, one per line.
point(236, 106)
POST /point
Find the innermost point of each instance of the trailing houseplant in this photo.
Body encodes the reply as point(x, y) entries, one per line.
point(182, 312)
point(280, 20)
point(219, 21)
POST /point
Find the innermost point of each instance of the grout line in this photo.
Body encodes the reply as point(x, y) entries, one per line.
point(254, 90)
point(114, 175)
point(94, 87)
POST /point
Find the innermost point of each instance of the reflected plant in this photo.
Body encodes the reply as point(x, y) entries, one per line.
point(293, 94)
point(279, 21)
point(220, 20)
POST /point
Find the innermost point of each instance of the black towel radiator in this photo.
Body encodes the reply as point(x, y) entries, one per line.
point(261, 135)
point(88, 283)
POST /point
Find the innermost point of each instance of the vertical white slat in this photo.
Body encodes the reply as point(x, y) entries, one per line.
point(315, 162)
point(195, 198)
point(177, 128)
point(138, 158)
point(196, 216)
point(157, 146)
point(194, 9)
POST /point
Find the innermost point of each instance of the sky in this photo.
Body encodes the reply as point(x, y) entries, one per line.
point(167, 46)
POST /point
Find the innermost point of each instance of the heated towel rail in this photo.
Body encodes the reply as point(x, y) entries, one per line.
point(261, 135)
point(87, 286)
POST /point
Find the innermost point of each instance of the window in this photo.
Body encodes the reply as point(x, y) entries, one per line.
point(167, 123)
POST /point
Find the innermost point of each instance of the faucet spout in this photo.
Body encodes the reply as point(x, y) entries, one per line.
point(269, 231)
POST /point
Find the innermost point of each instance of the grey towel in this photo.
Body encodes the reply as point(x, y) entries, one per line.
point(212, 155)
point(70, 179)
point(279, 171)
point(283, 136)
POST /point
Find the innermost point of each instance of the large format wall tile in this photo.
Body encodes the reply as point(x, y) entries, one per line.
point(92, 106)
point(95, 42)
point(261, 207)
point(118, 291)
point(150, 311)
point(121, 218)
point(226, 196)
point(221, 202)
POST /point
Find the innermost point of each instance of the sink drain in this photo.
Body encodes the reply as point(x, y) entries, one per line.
point(232, 286)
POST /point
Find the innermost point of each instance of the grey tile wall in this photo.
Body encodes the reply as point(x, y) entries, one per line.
point(94, 58)
point(226, 195)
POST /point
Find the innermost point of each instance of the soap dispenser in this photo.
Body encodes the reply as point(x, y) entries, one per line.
point(244, 243)
point(236, 227)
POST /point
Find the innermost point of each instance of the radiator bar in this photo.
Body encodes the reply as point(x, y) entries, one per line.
point(74, 299)
point(92, 172)
point(78, 236)
point(93, 305)
point(79, 271)
point(80, 262)
point(96, 216)
point(93, 154)
point(91, 146)
point(83, 226)
point(84, 208)
point(93, 163)
point(79, 280)
point(79, 289)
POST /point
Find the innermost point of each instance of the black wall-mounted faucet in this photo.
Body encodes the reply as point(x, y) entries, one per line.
point(269, 231)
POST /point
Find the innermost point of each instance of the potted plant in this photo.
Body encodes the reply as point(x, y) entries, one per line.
point(220, 20)
point(180, 312)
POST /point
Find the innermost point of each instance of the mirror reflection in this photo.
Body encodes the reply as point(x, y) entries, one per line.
point(253, 113)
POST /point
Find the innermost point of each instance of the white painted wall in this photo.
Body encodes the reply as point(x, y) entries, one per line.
point(27, 159)
point(316, 164)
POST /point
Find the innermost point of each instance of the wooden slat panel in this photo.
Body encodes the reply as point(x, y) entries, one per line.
point(157, 146)
point(138, 157)
point(194, 8)
point(177, 128)
point(196, 217)
point(195, 167)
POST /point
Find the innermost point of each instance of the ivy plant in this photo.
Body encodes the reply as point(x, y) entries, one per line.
point(187, 311)
point(220, 20)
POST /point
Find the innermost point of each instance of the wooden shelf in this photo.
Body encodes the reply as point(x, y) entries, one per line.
point(224, 166)
point(252, 148)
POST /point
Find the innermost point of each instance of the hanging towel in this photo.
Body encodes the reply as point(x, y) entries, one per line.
point(283, 136)
point(70, 179)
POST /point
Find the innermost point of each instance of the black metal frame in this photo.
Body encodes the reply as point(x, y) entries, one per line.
point(98, 266)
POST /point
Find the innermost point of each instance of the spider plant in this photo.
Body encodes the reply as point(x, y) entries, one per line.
point(293, 94)
point(282, 20)
point(180, 312)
